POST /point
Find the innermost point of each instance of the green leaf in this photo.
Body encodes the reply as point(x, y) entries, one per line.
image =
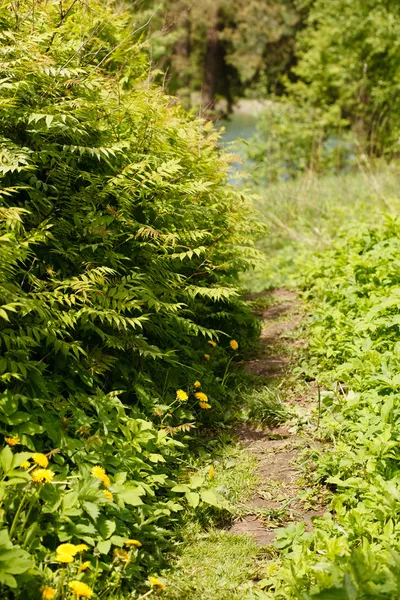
point(130, 497)
point(193, 499)
point(92, 509)
point(104, 546)
point(180, 488)
point(6, 459)
point(106, 527)
point(196, 481)
point(31, 429)
point(209, 497)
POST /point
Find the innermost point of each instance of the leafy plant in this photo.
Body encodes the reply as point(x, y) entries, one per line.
point(353, 353)
point(120, 243)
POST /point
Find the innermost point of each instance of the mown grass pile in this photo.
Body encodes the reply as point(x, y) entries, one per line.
point(354, 340)
point(120, 242)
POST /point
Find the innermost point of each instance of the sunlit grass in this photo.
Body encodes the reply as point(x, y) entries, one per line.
point(304, 216)
point(215, 565)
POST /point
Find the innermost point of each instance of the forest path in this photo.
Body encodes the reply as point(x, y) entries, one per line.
point(284, 494)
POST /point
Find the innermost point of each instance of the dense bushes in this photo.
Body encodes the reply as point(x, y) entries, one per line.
point(119, 246)
point(342, 94)
point(354, 354)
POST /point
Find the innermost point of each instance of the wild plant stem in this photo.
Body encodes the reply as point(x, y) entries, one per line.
point(226, 370)
point(16, 516)
point(319, 406)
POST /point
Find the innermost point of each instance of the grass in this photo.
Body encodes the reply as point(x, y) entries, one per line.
point(304, 215)
point(215, 565)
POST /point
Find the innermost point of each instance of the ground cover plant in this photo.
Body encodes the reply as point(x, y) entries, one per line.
point(353, 292)
point(120, 242)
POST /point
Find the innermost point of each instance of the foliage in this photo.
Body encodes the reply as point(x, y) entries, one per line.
point(348, 64)
point(222, 48)
point(342, 95)
point(120, 242)
point(292, 139)
point(304, 215)
point(354, 353)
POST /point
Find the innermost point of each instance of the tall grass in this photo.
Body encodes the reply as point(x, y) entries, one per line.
point(305, 214)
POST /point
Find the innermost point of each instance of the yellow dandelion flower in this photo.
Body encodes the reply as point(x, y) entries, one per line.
point(64, 558)
point(197, 385)
point(108, 494)
point(48, 593)
point(181, 395)
point(98, 472)
point(25, 465)
point(80, 589)
point(234, 345)
point(85, 565)
point(12, 441)
point(81, 547)
point(212, 343)
point(156, 583)
point(133, 543)
point(206, 357)
point(40, 459)
point(122, 555)
point(205, 405)
point(67, 549)
point(201, 396)
point(211, 472)
point(42, 476)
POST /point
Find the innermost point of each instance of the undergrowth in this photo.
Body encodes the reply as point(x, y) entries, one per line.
point(121, 323)
point(352, 293)
point(304, 216)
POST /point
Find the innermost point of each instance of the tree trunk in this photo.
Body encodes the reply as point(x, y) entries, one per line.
point(211, 63)
point(182, 62)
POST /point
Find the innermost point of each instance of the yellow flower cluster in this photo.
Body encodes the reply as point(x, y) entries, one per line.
point(80, 589)
point(12, 441)
point(85, 565)
point(205, 405)
point(203, 399)
point(212, 343)
point(65, 553)
point(48, 593)
point(40, 459)
point(211, 473)
point(99, 473)
point(181, 395)
point(156, 583)
point(42, 476)
point(234, 345)
point(206, 357)
point(133, 543)
point(108, 494)
point(197, 385)
point(122, 555)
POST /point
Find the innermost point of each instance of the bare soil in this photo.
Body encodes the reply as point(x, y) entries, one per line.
point(282, 467)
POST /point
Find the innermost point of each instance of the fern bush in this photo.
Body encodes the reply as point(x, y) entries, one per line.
point(120, 243)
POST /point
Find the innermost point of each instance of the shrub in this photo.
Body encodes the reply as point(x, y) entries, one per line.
point(120, 242)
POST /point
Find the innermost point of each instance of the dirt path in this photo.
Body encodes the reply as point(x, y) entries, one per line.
point(283, 495)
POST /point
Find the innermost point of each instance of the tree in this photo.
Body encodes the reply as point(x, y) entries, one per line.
point(222, 48)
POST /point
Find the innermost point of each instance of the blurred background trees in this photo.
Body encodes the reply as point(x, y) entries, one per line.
point(222, 49)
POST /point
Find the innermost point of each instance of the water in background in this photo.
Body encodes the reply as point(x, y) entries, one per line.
point(240, 126)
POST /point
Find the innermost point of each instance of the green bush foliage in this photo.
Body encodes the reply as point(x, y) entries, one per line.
point(292, 139)
point(354, 553)
point(341, 95)
point(120, 241)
